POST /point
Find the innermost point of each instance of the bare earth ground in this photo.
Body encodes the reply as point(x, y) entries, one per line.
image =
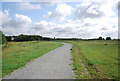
point(53, 65)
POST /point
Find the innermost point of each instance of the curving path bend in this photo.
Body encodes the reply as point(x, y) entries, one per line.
point(53, 65)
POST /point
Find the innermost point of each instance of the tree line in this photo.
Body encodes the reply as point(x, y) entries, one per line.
point(22, 37)
point(101, 38)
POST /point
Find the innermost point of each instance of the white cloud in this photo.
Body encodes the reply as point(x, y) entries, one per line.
point(22, 19)
point(43, 26)
point(18, 24)
point(93, 19)
point(4, 16)
point(18, 21)
point(70, 29)
point(88, 9)
point(62, 10)
point(109, 8)
point(28, 6)
point(102, 26)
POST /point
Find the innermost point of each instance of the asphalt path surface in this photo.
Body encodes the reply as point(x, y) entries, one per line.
point(53, 65)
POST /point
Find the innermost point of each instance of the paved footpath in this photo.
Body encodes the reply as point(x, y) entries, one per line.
point(53, 65)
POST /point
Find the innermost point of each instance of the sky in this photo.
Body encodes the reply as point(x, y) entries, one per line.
point(81, 19)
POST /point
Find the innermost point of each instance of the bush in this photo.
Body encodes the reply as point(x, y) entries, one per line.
point(108, 38)
point(2, 38)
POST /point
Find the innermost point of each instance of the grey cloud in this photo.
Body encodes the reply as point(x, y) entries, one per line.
point(62, 30)
point(38, 27)
point(111, 33)
point(72, 32)
point(118, 34)
point(104, 28)
point(118, 8)
point(13, 31)
point(86, 24)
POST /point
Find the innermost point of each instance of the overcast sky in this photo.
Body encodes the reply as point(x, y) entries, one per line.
point(85, 19)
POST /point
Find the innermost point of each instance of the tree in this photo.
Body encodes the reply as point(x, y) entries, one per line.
point(103, 39)
point(2, 38)
point(9, 38)
point(100, 38)
point(22, 37)
point(108, 38)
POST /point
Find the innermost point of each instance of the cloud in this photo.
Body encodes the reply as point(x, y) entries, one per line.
point(18, 24)
point(13, 0)
point(4, 16)
point(43, 26)
point(62, 10)
point(66, 30)
point(28, 6)
point(44, 4)
point(88, 10)
point(92, 20)
point(104, 28)
point(110, 8)
point(18, 21)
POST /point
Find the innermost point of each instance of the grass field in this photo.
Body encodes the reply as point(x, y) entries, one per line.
point(0, 60)
point(17, 54)
point(99, 59)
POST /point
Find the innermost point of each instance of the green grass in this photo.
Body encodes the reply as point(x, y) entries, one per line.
point(101, 60)
point(0, 61)
point(17, 54)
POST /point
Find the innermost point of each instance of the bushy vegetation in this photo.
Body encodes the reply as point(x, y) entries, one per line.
point(22, 37)
point(100, 59)
point(17, 54)
point(2, 38)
